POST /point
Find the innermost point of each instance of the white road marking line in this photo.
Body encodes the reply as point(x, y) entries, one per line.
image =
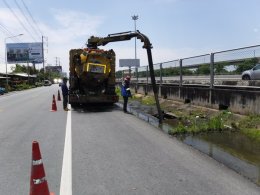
point(66, 174)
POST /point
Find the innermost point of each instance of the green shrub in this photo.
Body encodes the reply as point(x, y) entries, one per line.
point(252, 133)
point(22, 87)
point(216, 123)
point(180, 129)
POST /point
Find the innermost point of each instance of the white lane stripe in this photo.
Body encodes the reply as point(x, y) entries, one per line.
point(66, 174)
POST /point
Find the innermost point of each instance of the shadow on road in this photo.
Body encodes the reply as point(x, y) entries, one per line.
point(88, 108)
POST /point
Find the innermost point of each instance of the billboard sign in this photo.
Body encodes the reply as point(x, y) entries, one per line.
point(129, 62)
point(24, 52)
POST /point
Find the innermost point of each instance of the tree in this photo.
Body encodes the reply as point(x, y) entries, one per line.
point(19, 69)
point(246, 65)
point(220, 68)
point(23, 69)
point(203, 69)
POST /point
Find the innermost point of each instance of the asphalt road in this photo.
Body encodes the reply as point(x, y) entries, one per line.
point(25, 116)
point(112, 152)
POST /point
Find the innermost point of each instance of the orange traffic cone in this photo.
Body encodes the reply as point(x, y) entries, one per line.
point(59, 99)
point(54, 106)
point(38, 183)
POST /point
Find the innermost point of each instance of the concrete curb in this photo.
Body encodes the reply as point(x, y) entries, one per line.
point(146, 117)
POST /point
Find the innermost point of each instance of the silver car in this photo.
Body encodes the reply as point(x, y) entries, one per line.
point(252, 74)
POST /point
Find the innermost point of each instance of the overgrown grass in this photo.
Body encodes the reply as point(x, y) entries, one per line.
point(252, 133)
point(196, 121)
point(250, 126)
point(223, 121)
point(251, 121)
point(195, 124)
point(145, 100)
point(148, 100)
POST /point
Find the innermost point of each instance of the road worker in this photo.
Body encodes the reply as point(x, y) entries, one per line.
point(65, 93)
point(125, 92)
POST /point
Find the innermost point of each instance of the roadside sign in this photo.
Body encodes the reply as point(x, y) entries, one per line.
point(24, 52)
point(129, 62)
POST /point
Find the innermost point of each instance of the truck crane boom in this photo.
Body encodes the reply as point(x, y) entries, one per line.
point(94, 42)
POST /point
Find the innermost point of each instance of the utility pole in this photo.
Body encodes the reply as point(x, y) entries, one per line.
point(56, 61)
point(43, 59)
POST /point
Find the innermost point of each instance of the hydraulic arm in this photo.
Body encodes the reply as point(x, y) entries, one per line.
point(94, 42)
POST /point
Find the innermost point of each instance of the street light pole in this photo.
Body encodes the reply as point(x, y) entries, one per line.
point(135, 17)
point(6, 75)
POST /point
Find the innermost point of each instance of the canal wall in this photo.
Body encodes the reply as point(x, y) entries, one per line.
point(241, 100)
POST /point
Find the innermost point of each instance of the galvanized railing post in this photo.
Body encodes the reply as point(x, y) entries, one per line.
point(212, 70)
point(180, 63)
point(160, 85)
point(211, 77)
point(180, 83)
point(136, 75)
point(146, 91)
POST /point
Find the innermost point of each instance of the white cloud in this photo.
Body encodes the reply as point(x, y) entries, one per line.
point(72, 25)
point(71, 30)
point(8, 21)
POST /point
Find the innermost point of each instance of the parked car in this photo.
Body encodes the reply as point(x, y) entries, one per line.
point(47, 83)
point(2, 91)
point(252, 74)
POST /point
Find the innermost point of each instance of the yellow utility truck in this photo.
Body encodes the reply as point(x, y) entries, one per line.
point(92, 76)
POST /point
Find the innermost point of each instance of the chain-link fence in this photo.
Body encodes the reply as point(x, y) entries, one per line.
point(208, 69)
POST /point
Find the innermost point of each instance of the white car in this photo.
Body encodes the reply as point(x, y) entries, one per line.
point(252, 74)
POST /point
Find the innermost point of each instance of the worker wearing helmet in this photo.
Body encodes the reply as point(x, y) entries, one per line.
point(125, 92)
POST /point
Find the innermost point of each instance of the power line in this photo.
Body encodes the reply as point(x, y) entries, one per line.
point(19, 20)
point(26, 18)
point(5, 30)
point(28, 11)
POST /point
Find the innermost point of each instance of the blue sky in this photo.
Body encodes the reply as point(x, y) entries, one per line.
point(176, 28)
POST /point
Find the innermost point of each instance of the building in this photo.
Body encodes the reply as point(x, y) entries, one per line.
point(16, 79)
point(57, 69)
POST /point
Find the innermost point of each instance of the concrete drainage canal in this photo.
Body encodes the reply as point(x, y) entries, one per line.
point(232, 149)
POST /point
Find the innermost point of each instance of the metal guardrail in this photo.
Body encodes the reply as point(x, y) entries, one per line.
point(230, 58)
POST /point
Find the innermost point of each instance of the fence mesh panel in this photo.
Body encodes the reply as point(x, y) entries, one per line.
point(228, 65)
point(237, 54)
